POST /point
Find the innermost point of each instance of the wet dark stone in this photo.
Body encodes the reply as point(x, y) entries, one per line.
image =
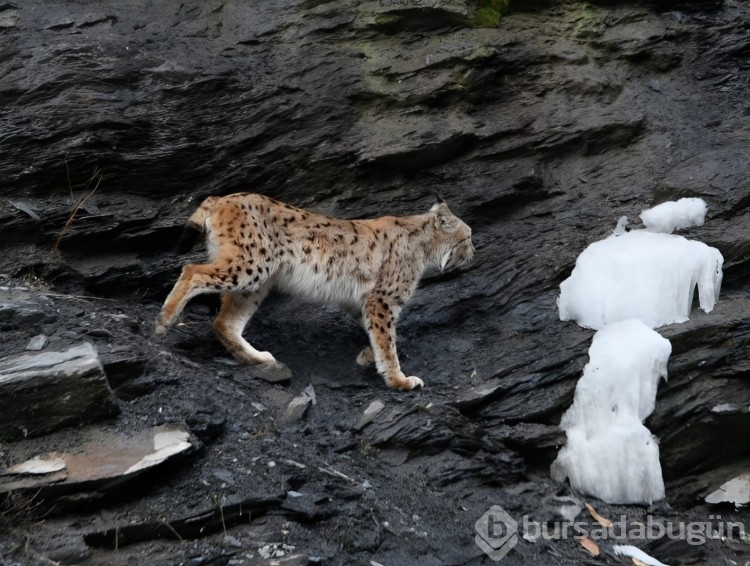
point(423, 429)
point(193, 526)
point(207, 422)
point(20, 309)
point(308, 506)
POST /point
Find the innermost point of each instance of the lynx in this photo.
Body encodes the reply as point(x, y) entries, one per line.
point(371, 267)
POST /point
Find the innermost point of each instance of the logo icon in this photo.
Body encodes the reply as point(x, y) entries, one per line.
point(496, 533)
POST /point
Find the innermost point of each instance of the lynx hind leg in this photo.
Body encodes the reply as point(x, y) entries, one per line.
point(236, 310)
point(380, 322)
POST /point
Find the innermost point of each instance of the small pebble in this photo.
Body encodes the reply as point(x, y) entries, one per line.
point(38, 342)
point(231, 541)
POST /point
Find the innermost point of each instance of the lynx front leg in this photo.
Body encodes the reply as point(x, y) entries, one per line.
point(380, 322)
point(236, 311)
point(193, 280)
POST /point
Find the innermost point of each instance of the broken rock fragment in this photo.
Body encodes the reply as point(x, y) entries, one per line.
point(372, 410)
point(44, 391)
point(296, 408)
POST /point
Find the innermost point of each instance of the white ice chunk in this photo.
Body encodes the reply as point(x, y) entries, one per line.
point(626, 360)
point(674, 215)
point(609, 453)
point(635, 552)
point(640, 274)
point(622, 226)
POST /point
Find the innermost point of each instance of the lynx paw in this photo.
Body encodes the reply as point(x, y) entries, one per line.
point(414, 381)
point(159, 328)
point(406, 383)
point(265, 358)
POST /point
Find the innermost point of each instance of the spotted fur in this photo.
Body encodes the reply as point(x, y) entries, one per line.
point(372, 267)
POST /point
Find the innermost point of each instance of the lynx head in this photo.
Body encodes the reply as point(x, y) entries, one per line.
point(451, 246)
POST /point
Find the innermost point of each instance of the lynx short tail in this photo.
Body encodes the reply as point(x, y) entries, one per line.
point(195, 227)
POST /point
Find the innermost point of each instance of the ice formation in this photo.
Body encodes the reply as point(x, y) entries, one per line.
point(673, 215)
point(634, 552)
point(609, 453)
point(625, 285)
point(640, 274)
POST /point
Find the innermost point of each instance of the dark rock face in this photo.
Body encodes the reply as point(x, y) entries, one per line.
point(118, 117)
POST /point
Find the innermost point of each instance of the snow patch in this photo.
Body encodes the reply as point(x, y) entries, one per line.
point(624, 286)
point(674, 215)
point(609, 453)
point(640, 274)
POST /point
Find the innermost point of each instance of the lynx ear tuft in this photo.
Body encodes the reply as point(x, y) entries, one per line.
point(440, 206)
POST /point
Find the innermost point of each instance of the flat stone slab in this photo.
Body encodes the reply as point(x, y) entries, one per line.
point(38, 342)
point(736, 490)
point(106, 460)
point(272, 373)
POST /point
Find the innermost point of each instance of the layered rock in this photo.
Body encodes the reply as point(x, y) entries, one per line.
point(119, 117)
